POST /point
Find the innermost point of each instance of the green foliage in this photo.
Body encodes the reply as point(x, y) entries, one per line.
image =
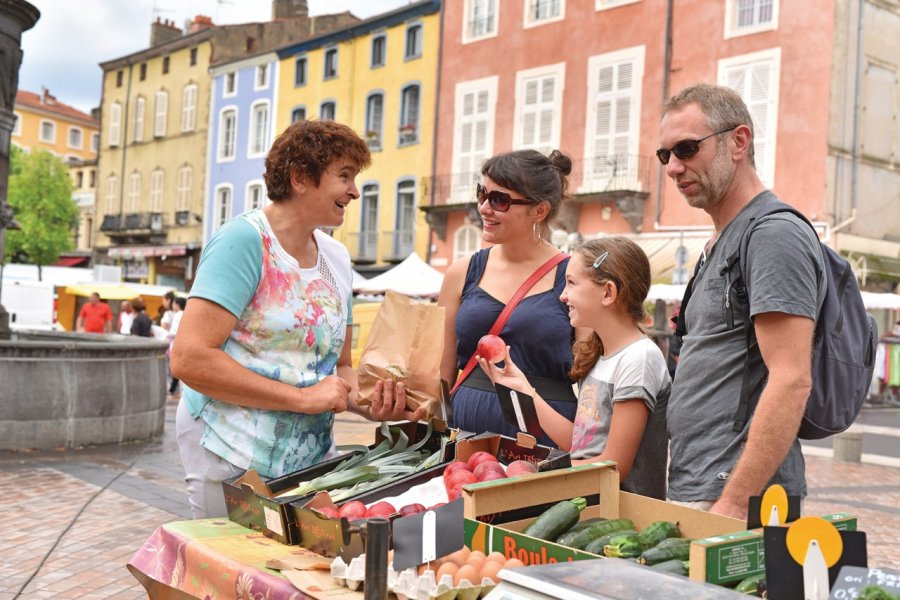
point(40, 194)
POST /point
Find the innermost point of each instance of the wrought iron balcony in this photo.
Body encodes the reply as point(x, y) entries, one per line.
point(363, 246)
point(398, 244)
point(134, 223)
point(610, 173)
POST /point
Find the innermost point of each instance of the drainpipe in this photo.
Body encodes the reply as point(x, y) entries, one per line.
point(434, 128)
point(854, 181)
point(667, 67)
point(124, 131)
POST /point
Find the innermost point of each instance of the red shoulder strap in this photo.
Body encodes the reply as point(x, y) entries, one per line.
point(507, 310)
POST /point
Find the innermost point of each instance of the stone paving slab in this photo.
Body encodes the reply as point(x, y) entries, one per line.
point(41, 493)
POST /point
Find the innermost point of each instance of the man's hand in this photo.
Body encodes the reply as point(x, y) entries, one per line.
point(329, 395)
point(389, 403)
point(727, 509)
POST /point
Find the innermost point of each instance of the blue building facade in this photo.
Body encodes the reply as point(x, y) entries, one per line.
point(242, 117)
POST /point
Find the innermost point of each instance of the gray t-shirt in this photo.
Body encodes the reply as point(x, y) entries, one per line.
point(785, 273)
point(637, 371)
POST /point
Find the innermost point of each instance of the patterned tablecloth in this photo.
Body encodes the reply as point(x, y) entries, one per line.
point(212, 558)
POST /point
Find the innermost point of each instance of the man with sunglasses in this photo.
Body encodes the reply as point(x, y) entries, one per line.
point(717, 460)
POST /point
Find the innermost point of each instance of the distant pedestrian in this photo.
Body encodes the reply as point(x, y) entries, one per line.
point(95, 316)
point(142, 325)
point(126, 317)
point(166, 311)
point(178, 308)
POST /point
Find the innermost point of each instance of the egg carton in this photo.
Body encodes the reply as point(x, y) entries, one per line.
point(408, 584)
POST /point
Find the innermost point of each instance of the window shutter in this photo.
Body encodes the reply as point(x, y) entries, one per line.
point(139, 105)
point(189, 108)
point(162, 109)
point(753, 81)
point(612, 121)
point(538, 113)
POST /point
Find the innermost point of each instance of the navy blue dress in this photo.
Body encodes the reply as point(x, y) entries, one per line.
point(540, 339)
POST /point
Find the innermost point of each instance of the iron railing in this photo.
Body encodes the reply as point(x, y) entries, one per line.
point(398, 244)
point(150, 222)
point(611, 173)
point(363, 246)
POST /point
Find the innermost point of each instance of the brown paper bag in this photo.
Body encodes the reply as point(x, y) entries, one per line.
point(405, 344)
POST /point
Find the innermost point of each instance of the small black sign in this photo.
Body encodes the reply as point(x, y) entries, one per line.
point(518, 409)
point(427, 536)
point(852, 580)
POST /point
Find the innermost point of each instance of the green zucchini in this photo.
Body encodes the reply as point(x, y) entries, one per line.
point(625, 546)
point(581, 539)
point(555, 520)
point(668, 549)
point(674, 566)
point(596, 547)
point(566, 538)
point(656, 532)
point(755, 584)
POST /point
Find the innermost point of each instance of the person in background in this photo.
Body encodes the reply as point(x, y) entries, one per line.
point(126, 317)
point(178, 305)
point(166, 311)
point(624, 385)
point(521, 193)
point(142, 324)
point(706, 139)
point(95, 316)
point(263, 347)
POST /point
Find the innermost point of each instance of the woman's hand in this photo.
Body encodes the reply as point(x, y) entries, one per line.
point(389, 403)
point(509, 375)
point(329, 395)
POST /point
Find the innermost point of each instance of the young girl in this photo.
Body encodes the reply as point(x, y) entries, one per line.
point(624, 383)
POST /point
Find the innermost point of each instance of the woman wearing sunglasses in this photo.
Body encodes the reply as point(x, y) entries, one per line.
point(521, 192)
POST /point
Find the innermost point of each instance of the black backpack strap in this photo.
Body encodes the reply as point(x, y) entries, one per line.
point(680, 321)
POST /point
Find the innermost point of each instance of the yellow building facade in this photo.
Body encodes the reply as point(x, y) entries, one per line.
point(378, 77)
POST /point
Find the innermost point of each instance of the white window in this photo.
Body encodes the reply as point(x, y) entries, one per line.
point(473, 138)
point(466, 241)
point(480, 19)
point(189, 107)
point(138, 125)
point(259, 129)
point(756, 78)
point(539, 12)
point(331, 63)
point(161, 113)
point(134, 193)
point(255, 196)
point(115, 123)
point(95, 142)
point(48, 131)
point(367, 249)
point(374, 120)
point(76, 138)
point(604, 4)
point(112, 195)
point(537, 119)
point(413, 41)
point(327, 111)
point(17, 128)
point(183, 191)
point(156, 191)
point(613, 119)
point(222, 210)
point(227, 134)
point(743, 17)
point(230, 84)
point(409, 115)
point(405, 225)
point(261, 81)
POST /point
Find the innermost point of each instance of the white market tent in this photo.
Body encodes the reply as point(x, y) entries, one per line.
point(412, 277)
point(871, 300)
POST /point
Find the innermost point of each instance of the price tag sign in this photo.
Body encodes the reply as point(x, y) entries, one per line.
point(518, 409)
point(851, 581)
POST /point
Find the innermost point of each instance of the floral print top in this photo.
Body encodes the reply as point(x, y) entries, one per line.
point(291, 327)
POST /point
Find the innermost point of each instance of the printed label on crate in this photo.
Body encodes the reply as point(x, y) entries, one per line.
point(273, 520)
point(531, 551)
point(733, 562)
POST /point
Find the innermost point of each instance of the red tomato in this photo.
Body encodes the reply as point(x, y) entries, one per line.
point(353, 510)
point(329, 511)
point(380, 509)
point(480, 457)
point(456, 466)
point(488, 467)
point(459, 478)
point(518, 467)
point(411, 509)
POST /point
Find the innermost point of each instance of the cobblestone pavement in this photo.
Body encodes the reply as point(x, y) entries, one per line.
point(87, 511)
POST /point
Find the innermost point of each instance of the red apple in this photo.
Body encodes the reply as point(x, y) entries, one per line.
point(411, 509)
point(329, 511)
point(454, 492)
point(491, 348)
point(456, 466)
point(518, 467)
point(459, 478)
point(488, 467)
point(480, 457)
point(492, 475)
point(380, 509)
point(353, 510)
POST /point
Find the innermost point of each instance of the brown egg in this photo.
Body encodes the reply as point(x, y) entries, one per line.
point(491, 567)
point(476, 559)
point(459, 557)
point(513, 563)
point(469, 573)
point(422, 568)
point(496, 557)
point(448, 568)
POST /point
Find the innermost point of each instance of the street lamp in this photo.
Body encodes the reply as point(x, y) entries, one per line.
point(16, 16)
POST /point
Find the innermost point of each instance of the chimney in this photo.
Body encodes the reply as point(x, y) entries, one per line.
point(47, 97)
point(200, 23)
point(289, 9)
point(162, 31)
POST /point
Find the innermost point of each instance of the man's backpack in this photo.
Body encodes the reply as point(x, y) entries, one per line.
point(843, 345)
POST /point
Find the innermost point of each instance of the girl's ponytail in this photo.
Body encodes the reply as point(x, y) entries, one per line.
point(585, 353)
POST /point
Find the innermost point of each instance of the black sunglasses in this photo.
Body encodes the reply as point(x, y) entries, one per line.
point(685, 149)
point(499, 201)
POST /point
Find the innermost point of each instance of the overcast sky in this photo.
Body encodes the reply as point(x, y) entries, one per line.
point(62, 52)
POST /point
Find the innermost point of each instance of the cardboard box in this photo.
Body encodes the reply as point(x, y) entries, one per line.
point(508, 449)
point(497, 511)
point(253, 502)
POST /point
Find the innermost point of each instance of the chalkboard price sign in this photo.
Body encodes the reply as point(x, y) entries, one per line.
point(852, 580)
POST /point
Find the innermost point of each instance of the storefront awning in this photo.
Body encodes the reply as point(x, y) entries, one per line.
point(70, 261)
point(128, 252)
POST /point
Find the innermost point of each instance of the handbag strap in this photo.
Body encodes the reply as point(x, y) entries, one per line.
point(507, 310)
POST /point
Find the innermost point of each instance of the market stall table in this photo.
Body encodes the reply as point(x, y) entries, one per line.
point(216, 558)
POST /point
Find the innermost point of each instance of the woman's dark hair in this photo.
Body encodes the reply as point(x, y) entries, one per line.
point(181, 301)
point(535, 176)
point(628, 268)
point(308, 147)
